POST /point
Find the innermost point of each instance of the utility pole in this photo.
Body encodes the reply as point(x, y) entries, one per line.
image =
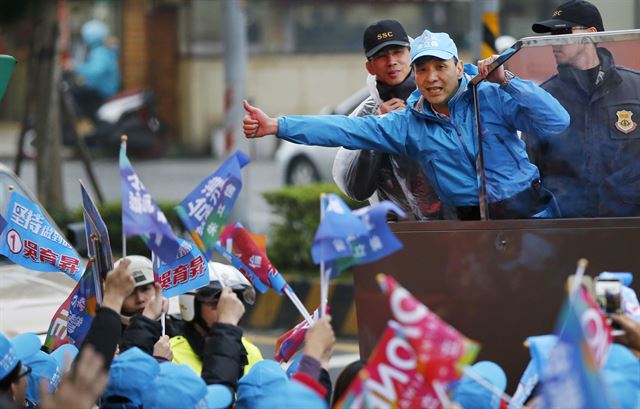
point(235, 68)
point(47, 114)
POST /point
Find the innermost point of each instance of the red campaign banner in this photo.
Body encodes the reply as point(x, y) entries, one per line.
point(391, 379)
point(597, 331)
point(441, 350)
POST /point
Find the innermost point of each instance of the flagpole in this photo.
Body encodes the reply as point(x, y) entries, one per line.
point(324, 280)
point(155, 275)
point(296, 301)
point(488, 386)
point(287, 289)
point(441, 394)
point(123, 144)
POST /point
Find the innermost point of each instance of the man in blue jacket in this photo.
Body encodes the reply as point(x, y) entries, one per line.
point(438, 130)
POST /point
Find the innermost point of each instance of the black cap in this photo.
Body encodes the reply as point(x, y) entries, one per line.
point(381, 34)
point(571, 14)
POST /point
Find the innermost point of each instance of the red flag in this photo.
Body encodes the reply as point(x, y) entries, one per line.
point(255, 264)
point(597, 331)
point(289, 343)
point(390, 379)
point(441, 350)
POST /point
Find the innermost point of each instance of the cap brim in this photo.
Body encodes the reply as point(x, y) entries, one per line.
point(218, 397)
point(26, 345)
point(444, 55)
point(547, 26)
point(379, 47)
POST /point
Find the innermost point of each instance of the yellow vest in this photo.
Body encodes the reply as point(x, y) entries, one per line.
point(184, 354)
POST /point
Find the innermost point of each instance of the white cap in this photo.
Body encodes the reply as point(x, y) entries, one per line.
point(140, 268)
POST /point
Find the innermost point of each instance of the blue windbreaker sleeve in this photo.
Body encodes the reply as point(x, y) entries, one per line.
point(531, 109)
point(386, 133)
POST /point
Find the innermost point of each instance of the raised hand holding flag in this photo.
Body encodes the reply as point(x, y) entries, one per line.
point(141, 216)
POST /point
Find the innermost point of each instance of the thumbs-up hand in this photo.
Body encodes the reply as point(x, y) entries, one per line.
point(256, 123)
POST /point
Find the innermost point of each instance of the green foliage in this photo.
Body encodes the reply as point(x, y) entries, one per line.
point(112, 215)
point(297, 209)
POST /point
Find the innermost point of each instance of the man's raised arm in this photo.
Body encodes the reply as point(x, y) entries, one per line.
point(257, 124)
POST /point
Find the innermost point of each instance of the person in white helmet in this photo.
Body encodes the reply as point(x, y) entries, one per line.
point(141, 311)
point(205, 311)
point(141, 269)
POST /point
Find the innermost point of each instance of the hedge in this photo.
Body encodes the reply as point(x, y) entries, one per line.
point(297, 210)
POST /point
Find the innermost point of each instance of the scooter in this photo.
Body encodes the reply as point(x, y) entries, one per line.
point(131, 113)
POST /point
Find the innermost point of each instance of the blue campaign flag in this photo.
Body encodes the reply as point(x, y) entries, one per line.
point(82, 308)
point(97, 235)
point(71, 322)
point(30, 241)
point(337, 227)
point(188, 271)
point(540, 347)
point(377, 243)
point(571, 378)
point(205, 211)
point(141, 216)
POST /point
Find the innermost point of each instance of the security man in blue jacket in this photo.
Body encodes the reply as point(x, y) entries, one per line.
point(438, 131)
point(592, 168)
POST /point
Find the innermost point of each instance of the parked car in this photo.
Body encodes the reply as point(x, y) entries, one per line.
point(302, 164)
point(28, 298)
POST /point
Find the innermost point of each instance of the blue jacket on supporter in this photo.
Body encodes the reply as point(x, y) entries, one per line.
point(447, 150)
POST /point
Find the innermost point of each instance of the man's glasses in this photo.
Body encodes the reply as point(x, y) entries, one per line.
point(26, 370)
point(567, 30)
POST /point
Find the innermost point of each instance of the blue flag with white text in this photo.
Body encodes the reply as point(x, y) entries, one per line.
point(337, 228)
point(379, 241)
point(205, 211)
point(571, 378)
point(189, 271)
point(141, 216)
point(31, 241)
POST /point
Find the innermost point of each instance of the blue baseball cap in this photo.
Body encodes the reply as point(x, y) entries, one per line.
point(131, 375)
point(43, 366)
point(263, 379)
point(621, 375)
point(178, 386)
point(438, 45)
point(470, 394)
point(16, 350)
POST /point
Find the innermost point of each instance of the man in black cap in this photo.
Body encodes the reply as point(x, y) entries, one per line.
point(378, 176)
point(592, 167)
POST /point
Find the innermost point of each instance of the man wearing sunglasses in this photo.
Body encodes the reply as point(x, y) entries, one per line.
point(592, 167)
